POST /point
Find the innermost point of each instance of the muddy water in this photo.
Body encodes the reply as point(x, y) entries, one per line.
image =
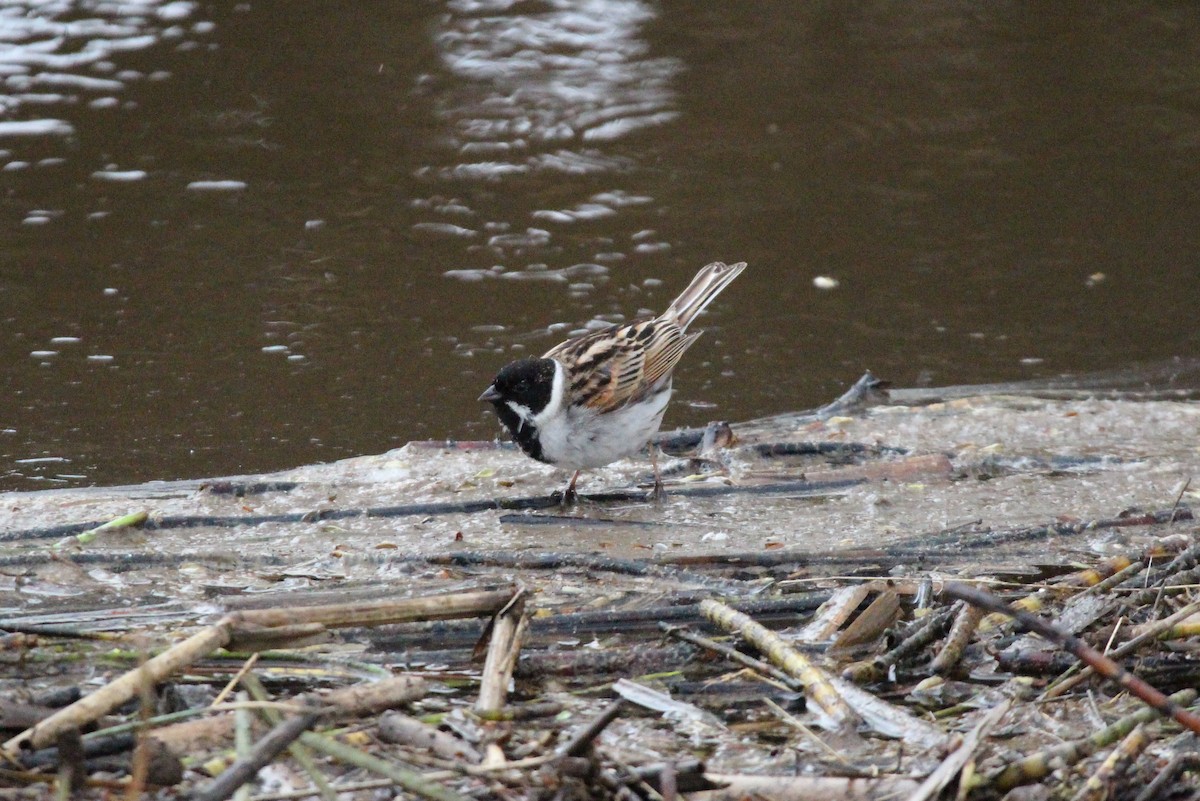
point(247, 236)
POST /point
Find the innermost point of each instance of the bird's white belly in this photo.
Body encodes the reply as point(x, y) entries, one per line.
point(580, 439)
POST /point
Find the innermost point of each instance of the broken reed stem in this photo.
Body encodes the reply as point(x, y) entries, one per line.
point(965, 623)
point(732, 654)
point(924, 633)
point(243, 738)
point(1063, 684)
point(1086, 653)
point(816, 683)
point(405, 610)
point(407, 779)
point(508, 628)
point(830, 615)
point(957, 760)
point(117, 692)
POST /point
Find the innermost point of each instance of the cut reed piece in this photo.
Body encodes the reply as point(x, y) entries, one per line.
point(816, 683)
point(738, 787)
point(396, 727)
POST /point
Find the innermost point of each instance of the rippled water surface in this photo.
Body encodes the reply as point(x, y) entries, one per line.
point(243, 236)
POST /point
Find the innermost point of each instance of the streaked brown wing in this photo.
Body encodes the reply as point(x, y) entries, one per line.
point(620, 365)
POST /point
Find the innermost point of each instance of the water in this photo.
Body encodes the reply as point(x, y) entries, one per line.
point(246, 237)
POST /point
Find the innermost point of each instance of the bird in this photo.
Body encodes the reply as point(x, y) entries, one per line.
point(600, 397)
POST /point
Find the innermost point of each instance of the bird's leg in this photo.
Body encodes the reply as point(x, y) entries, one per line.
point(659, 493)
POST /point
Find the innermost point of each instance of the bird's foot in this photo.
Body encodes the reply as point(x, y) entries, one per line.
point(569, 496)
point(565, 498)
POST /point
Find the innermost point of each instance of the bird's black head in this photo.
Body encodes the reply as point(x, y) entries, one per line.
point(525, 382)
point(521, 391)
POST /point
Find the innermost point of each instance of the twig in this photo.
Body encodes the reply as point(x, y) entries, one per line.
point(298, 750)
point(583, 738)
point(237, 677)
point(1182, 490)
point(1166, 777)
point(732, 654)
point(921, 634)
point(791, 720)
point(1062, 685)
point(1098, 661)
point(269, 747)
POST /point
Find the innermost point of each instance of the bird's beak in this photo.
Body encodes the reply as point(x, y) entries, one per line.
point(491, 395)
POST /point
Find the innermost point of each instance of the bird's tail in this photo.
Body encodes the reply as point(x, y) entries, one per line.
point(707, 284)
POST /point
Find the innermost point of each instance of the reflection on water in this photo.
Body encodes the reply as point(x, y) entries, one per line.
point(538, 88)
point(59, 54)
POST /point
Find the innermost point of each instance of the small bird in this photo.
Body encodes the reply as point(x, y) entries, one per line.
point(600, 397)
